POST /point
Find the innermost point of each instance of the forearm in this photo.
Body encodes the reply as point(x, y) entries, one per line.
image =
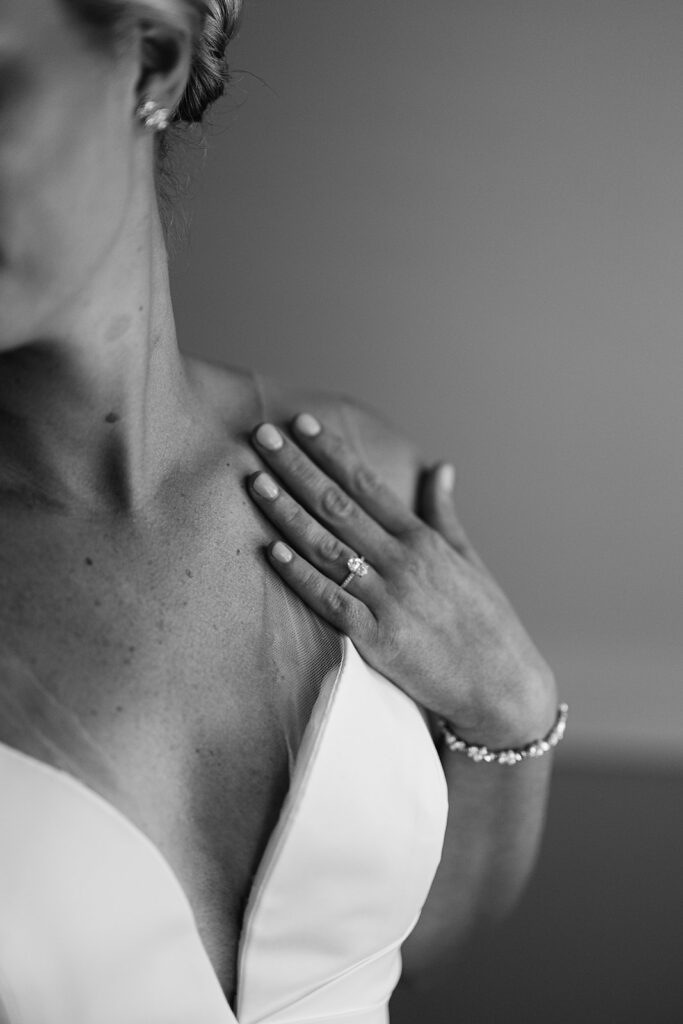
point(495, 823)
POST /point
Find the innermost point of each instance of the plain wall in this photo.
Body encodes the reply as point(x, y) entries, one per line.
point(596, 939)
point(469, 213)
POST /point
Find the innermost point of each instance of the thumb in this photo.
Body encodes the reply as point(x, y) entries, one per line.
point(437, 507)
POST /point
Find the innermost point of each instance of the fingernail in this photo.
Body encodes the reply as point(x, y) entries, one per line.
point(307, 425)
point(269, 437)
point(266, 486)
point(281, 553)
point(446, 477)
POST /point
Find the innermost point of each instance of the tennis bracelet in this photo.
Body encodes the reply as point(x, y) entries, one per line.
point(537, 748)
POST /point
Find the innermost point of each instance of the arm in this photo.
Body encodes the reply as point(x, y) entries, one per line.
point(496, 813)
point(495, 822)
point(433, 621)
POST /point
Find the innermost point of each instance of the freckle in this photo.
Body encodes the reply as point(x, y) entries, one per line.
point(140, 309)
point(112, 417)
point(239, 551)
point(98, 603)
point(88, 560)
point(119, 708)
point(188, 572)
point(131, 648)
point(126, 661)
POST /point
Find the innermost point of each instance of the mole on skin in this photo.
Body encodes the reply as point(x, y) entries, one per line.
point(112, 417)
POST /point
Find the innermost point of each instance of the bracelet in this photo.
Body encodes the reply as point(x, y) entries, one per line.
point(537, 748)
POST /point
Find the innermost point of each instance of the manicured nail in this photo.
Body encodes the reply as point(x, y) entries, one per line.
point(281, 553)
point(269, 437)
point(307, 425)
point(266, 486)
point(446, 477)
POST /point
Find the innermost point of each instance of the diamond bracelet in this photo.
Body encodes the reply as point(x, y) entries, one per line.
point(537, 748)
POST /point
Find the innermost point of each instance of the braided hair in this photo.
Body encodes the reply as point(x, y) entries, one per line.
point(209, 72)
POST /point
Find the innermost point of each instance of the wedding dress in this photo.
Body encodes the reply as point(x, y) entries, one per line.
point(95, 927)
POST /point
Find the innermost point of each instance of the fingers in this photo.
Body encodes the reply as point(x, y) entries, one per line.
point(326, 497)
point(336, 459)
point(309, 538)
point(338, 607)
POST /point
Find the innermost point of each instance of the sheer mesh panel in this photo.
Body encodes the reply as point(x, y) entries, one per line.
point(301, 647)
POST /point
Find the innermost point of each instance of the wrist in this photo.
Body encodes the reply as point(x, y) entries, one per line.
point(510, 755)
point(519, 716)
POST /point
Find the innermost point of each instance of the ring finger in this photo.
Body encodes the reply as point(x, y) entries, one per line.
point(312, 540)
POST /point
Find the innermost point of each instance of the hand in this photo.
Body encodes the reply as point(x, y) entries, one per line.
point(427, 615)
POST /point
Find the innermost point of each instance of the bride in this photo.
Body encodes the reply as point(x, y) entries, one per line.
point(270, 734)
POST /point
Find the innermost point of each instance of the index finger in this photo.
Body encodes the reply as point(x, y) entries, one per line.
point(360, 482)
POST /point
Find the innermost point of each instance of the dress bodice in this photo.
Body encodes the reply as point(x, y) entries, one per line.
point(95, 927)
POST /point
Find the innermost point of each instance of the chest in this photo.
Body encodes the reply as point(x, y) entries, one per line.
point(148, 667)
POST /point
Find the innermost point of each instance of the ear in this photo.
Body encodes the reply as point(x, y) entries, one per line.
point(165, 49)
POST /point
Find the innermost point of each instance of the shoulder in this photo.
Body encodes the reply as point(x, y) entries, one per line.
point(376, 440)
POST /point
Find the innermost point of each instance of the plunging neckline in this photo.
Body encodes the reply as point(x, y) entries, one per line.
point(302, 766)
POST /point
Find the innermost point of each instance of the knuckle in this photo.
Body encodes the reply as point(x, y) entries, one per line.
point(409, 563)
point(392, 633)
point(309, 579)
point(329, 549)
point(365, 481)
point(393, 551)
point(300, 467)
point(296, 521)
point(335, 447)
point(357, 622)
point(354, 617)
point(338, 603)
point(336, 504)
point(418, 539)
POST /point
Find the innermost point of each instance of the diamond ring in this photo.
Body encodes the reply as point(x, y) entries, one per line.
point(357, 566)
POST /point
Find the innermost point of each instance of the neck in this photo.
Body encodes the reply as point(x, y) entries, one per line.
point(96, 411)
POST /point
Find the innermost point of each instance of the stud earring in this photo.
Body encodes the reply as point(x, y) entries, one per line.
point(152, 116)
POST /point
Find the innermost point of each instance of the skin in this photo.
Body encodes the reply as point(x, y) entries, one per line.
point(131, 555)
point(429, 616)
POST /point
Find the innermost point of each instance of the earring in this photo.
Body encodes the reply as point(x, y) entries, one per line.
point(153, 116)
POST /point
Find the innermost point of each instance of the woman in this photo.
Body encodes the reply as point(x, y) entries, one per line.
point(222, 776)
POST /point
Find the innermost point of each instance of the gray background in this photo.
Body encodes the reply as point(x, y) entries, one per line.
point(470, 215)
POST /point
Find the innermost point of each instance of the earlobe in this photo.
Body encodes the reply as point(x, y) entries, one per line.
point(152, 116)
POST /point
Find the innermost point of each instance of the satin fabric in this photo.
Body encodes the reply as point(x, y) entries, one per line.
point(96, 929)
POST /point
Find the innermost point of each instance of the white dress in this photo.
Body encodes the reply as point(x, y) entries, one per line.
point(96, 929)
